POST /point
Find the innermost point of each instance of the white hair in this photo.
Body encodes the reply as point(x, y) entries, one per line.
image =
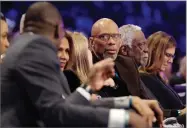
point(127, 33)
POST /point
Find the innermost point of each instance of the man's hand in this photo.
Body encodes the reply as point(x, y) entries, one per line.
point(183, 111)
point(146, 108)
point(109, 82)
point(100, 72)
point(136, 121)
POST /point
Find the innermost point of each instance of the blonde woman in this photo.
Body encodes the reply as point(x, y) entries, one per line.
point(80, 62)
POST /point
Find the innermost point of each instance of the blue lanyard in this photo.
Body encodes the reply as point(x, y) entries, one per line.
point(116, 75)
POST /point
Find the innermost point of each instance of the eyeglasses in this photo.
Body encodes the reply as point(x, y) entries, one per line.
point(169, 55)
point(106, 37)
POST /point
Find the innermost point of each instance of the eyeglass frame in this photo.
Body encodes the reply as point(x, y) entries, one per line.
point(110, 35)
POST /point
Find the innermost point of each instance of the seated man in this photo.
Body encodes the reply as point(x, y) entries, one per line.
point(134, 44)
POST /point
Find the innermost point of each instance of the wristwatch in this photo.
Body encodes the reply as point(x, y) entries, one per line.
point(127, 117)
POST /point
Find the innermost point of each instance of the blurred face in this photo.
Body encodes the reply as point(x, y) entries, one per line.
point(63, 53)
point(4, 44)
point(168, 58)
point(138, 47)
point(107, 41)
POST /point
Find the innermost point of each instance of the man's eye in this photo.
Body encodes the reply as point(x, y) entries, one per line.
point(104, 37)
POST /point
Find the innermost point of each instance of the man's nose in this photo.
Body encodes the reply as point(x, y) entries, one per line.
point(111, 41)
point(7, 43)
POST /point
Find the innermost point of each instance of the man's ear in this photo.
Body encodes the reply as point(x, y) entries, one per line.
point(91, 42)
point(123, 50)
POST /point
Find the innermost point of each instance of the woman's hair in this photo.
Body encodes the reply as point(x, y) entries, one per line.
point(2, 17)
point(158, 43)
point(70, 42)
point(79, 62)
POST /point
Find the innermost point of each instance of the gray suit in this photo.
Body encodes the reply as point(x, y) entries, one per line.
point(33, 89)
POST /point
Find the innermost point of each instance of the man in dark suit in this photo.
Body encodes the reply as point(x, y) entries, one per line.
point(134, 45)
point(32, 84)
point(105, 42)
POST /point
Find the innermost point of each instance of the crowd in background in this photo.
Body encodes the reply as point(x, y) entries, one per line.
point(142, 42)
point(150, 15)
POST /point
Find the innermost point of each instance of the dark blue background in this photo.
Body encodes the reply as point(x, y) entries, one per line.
point(152, 16)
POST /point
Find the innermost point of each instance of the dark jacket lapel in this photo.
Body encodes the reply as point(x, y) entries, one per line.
point(128, 74)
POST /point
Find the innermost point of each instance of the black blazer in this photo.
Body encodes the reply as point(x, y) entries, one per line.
point(166, 96)
point(33, 88)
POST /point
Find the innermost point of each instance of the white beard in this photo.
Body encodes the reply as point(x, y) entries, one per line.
point(109, 56)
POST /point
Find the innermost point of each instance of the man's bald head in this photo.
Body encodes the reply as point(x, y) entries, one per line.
point(105, 40)
point(104, 25)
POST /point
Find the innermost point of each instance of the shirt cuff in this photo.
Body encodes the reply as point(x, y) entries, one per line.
point(118, 118)
point(84, 93)
point(122, 102)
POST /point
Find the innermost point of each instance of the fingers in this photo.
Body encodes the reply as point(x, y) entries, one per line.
point(109, 82)
point(105, 63)
point(136, 121)
point(100, 72)
point(109, 72)
point(144, 110)
point(155, 106)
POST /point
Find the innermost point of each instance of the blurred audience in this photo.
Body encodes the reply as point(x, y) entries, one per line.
point(94, 75)
point(180, 76)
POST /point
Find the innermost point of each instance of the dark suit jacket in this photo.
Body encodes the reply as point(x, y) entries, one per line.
point(32, 90)
point(164, 93)
point(127, 70)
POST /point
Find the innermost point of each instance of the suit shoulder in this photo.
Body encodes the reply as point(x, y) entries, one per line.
point(124, 58)
point(24, 41)
point(126, 61)
point(41, 40)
